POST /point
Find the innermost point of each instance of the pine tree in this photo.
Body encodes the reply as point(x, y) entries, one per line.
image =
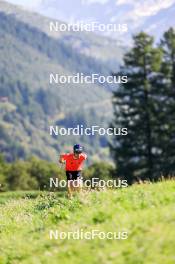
point(137, 107)
point(168, 83)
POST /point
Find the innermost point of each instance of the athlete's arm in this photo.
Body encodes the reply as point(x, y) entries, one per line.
point(61, 159)
point(84, 156)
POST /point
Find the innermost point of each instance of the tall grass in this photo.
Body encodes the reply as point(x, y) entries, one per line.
point(145, 211)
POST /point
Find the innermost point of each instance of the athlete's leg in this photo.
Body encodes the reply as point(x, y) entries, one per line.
point(70, 188)
point(77, 181)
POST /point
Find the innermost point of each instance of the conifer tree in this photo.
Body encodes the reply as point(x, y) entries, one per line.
point(167, 81)
point(137, 107)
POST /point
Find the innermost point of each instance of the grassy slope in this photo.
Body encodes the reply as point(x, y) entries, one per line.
point(146, 212)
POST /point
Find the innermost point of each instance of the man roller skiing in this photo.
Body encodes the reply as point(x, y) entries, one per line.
point(74, 165)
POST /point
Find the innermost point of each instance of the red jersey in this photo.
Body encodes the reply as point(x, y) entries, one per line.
point(72, 163)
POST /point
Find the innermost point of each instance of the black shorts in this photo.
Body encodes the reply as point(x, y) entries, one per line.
point(73, 175)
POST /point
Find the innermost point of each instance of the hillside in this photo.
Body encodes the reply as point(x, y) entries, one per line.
point(150, 16)
point(146, 212)
point(87, 43)
point(28, 54)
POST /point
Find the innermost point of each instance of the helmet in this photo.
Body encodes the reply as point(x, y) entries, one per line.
point(78, 148)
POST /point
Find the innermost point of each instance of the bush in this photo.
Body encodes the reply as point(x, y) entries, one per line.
point(35, 174)
point(42, 171)
point(19, 178)
point(100, 170)
point(3, 169)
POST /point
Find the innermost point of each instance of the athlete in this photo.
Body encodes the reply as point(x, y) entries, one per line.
point(74, 165)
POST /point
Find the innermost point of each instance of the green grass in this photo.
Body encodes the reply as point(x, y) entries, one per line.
point(146, 212)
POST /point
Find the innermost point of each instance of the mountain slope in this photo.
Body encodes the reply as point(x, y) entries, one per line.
point(154, 16)
point(86, 43)
point(27, 56)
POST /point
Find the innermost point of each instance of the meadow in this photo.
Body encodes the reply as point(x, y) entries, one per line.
point(146, 212)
